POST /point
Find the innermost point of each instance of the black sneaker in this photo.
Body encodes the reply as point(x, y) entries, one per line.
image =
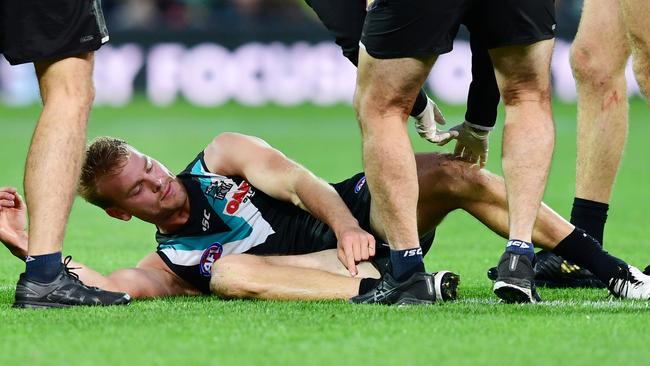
point(66, 290)
point(514, 283)
point(555, 272)
point(420, 289)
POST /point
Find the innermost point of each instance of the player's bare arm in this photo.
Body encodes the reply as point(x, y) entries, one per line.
point(282, 178)
point(151, 278)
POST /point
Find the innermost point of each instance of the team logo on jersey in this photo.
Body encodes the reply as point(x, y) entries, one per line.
point(218, 190)
point(208, 258)
point(360, 184)
point(244, 191)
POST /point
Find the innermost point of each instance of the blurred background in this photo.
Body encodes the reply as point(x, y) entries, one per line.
point(252, 52)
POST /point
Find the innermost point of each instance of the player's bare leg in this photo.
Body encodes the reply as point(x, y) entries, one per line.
point(314, 276)
point(284, 278)
point(598, 58)
point(456, 184)
point(635, 14)
point(523, 75)
point(51, 174)
point(386, 89)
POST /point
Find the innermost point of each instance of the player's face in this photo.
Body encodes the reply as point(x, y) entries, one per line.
point(144, 188)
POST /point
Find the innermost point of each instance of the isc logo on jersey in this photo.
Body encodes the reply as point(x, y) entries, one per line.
point(210, 255)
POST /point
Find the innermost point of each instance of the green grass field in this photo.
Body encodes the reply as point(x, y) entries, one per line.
point(577, 327)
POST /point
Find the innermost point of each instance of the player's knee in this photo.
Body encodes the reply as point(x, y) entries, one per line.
point(595, 69)
point(446, 175)
point(232, 278)
point(372, 102)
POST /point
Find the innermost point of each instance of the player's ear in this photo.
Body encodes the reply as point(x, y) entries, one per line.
point(118, 213)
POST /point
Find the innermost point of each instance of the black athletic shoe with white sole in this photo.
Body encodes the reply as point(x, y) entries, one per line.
point(420, 289)
point(514, 283)
point(554, 271)
point(66, 290)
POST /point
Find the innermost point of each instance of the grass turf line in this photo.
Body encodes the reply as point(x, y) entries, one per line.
point(578, 327)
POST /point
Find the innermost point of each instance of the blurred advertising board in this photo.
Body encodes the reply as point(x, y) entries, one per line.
point(209, 74)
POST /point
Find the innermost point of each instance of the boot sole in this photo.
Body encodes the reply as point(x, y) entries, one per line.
point(513, 293)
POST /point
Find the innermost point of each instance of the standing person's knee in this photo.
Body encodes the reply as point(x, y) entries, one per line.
point(523, 73)
point(595, 68)
point(370, 102)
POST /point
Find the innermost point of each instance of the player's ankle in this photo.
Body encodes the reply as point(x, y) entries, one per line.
point(404, 263)
point(43, 268)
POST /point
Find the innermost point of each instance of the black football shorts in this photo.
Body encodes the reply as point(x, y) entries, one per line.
point(502, 23)
point(412, 28)
point(35, 30)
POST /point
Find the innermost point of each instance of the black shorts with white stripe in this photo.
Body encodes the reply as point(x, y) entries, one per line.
point(38, 30)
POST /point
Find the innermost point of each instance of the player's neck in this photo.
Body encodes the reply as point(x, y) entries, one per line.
point(176, 220)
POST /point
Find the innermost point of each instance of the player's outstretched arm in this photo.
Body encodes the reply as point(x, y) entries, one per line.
point(150, 279)
point(280, 177)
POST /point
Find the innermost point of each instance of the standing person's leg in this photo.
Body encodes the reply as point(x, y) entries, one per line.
point(598, 58)
point(520, 36)
point(523, 74)
point(637, 24)
point(55, 155)
point(59, 38)
point(400, 47)
point(385, 92)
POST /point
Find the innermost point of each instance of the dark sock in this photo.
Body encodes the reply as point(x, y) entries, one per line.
point(43, 268)
point(521, 247)
point(420, 103)
point(583, 250)
point(404, 263)
point(590, 216)
point(367, 284)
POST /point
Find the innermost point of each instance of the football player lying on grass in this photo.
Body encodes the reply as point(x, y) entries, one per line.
point(244, 221)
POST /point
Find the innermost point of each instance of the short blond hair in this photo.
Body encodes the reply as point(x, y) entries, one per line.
point(104, 156)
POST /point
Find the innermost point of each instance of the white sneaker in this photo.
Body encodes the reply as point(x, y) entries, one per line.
point(631, 283)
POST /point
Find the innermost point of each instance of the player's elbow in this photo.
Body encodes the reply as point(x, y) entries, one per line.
point(235, 277)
